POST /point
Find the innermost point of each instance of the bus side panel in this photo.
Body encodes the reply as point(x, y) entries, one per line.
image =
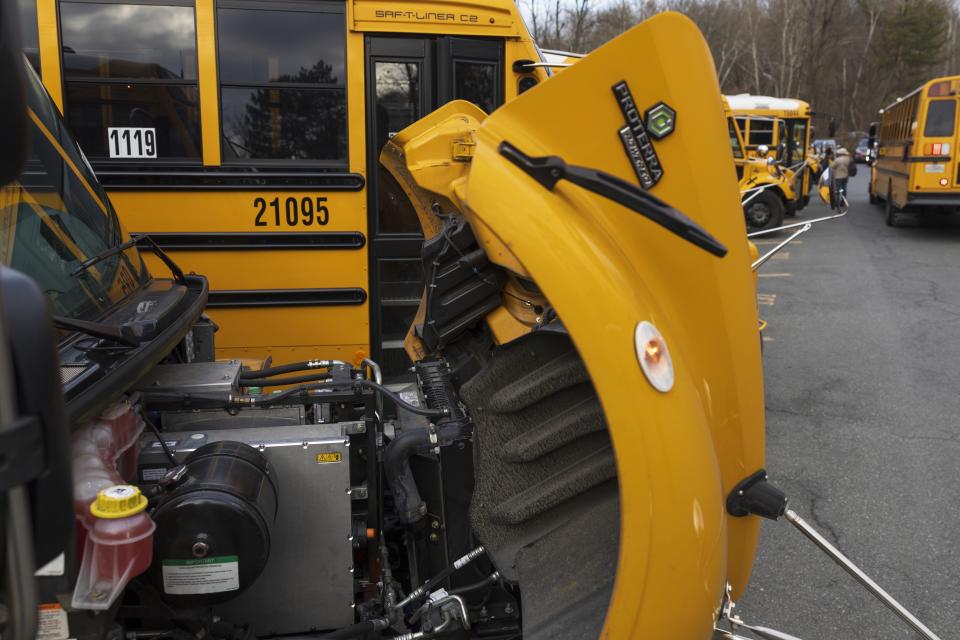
point(268, 292)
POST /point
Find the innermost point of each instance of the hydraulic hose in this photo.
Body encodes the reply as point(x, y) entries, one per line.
point(358, 630)
point(493, 578)
point(396, 464)
point(420, 411)
point(278, 382)
point(458, 564)
point(306, 365)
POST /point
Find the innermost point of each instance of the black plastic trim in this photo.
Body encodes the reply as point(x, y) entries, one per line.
point(287, 298)
point(94, 389)
point(153, 178)
point(323, 240)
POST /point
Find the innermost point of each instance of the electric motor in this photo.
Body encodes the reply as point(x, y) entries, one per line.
point(214, 525)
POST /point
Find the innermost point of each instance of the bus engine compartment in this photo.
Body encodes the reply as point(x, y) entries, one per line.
point(206, 505)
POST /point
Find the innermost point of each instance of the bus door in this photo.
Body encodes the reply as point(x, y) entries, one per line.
point(409, 77)
point(936, 145)
point(796, 153)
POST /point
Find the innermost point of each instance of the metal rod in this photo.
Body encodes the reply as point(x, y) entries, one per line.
point(762, 259)
point(754, 191)
point(754, 234)
point(859, 575)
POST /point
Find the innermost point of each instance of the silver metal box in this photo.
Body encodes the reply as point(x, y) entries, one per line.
point(307, 583)
point(194, 377)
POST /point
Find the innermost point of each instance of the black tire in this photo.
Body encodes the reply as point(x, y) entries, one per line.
point(895, 216)
point(874, 198)
point(765, 211)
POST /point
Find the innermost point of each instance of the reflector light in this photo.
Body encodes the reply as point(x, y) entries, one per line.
point(944, 182)
point(939, 89)
point(936, 148)
point(654, 356)
point(945, 149)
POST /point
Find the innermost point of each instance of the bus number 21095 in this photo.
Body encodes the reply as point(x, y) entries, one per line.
point(291, 212)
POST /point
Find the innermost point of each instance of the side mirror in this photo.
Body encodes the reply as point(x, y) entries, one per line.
point(35, 480)
point(13, 106)
point(763, 149)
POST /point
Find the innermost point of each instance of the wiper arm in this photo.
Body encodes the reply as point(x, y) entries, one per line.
point(132, 242)
point(120, 334)
point(548, 170)
point(103, 255)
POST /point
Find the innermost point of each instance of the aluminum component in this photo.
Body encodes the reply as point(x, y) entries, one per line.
point(759, 262)
point(814, 536)
point(194, 377)
point(255, 417)
point(310, 547)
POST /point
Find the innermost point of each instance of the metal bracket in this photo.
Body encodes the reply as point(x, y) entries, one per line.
point(354, 428)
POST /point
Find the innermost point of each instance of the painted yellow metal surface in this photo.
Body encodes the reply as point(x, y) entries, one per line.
point(497, 18)
point(605, 268)
point(290, 333)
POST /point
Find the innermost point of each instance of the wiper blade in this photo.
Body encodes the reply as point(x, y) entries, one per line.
point(103, 255)
point(548, 170)
point(122, 334)
point(120, 248)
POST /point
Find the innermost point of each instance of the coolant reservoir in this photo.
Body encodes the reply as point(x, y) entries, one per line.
point(119, 546)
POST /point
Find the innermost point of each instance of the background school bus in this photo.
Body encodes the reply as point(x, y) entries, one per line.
point(244, 137)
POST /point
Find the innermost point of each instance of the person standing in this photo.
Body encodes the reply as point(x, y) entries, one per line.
point(840, 172)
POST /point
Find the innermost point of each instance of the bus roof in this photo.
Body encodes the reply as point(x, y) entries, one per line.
point(952, 79)
point(748, 102)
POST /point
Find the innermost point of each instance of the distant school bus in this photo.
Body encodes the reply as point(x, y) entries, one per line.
point(243, 136)
point(768, 190)
point(783, 125)
point(916, 162)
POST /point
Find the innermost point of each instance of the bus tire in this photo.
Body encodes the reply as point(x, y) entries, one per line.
point(895, 216)
point(874, 198)
point(766, 211)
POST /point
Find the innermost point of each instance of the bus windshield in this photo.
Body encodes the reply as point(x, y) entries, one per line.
point(57, 215)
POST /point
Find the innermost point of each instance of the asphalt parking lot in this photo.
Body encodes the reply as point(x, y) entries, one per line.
point(862, 359)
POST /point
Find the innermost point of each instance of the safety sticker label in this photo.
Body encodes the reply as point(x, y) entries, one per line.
point(201, 575)
point(53, 568)
point(52, 622)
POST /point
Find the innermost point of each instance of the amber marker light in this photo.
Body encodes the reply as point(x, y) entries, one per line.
point(654, 356)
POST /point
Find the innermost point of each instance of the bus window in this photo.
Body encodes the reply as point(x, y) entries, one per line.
point(475, 82)
point(734, 140)
point(761, 132)
point(283, 82)
point(940, 118)
point(130, 74)
point(28, 31)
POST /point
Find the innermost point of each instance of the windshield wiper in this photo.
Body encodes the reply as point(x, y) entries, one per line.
point(548, 170)
point(132, 242)
point(121, 334)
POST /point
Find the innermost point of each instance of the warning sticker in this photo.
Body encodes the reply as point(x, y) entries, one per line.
point(329, 456)
point(201, 575)
point(53, 568)
point(52, 622)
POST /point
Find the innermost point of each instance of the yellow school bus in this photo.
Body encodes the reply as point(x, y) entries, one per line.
point(243, 137)
point(783, 125)
point(767, 189)
point(916, 162)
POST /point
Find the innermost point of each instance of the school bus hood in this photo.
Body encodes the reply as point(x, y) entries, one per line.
point(605, 268)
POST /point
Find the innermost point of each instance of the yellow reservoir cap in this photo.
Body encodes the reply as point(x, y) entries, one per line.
point(120, 501)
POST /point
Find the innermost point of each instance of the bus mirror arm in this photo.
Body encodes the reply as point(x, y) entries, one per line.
point(755, 496)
